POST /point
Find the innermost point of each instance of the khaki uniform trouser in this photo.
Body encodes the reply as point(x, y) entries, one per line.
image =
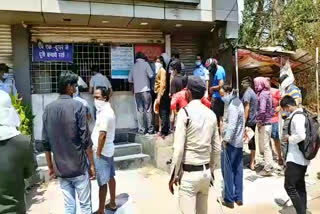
point(193, 192)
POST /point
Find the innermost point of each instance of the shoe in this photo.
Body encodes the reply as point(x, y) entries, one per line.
point(265, 173)
point(239, 203)
point(226, 204)
point(151, 132)
point(140, 132)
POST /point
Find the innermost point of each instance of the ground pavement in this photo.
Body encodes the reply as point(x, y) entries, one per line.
point(145, 191)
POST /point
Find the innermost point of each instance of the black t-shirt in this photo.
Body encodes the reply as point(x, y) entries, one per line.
point(17, 163)
point(177, 84)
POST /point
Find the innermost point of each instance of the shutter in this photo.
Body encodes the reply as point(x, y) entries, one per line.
point(5, 45)
point(188, 48)
point(73, 34)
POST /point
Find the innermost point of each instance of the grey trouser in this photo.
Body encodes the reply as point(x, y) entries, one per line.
point(193, 192)
point(144, 113)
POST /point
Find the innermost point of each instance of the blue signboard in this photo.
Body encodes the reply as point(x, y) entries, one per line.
point(42, 52)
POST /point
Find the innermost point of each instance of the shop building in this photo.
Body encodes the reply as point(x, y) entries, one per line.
point(44, 33)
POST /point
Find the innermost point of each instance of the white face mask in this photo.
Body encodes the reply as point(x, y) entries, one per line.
point(226, 98)
point(158, 66)
point(75, 94)
point(99, 104)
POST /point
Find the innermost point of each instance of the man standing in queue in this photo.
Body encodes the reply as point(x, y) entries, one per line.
point(196, 141)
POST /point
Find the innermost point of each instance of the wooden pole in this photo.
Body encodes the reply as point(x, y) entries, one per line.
point(317, 80)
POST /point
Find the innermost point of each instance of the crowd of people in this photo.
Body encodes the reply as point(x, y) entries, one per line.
point(208, 118)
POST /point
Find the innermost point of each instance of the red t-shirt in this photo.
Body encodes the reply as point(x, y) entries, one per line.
point(180, 99)
point(276, 97)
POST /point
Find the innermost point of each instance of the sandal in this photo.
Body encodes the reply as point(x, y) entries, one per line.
point(108, 207)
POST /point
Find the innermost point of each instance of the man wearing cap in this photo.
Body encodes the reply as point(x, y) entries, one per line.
point(6, 81)
point(196, 143)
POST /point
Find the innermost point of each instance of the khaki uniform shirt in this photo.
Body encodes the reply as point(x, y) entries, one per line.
point(199, 143)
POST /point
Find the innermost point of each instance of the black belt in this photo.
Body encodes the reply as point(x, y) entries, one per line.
point(193, 168)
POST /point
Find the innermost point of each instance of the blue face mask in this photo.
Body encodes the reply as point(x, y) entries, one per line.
point(5, 75)
point(226, 99)
point(198, 63)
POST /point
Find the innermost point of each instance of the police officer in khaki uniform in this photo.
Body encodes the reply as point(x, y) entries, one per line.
point(196, 148)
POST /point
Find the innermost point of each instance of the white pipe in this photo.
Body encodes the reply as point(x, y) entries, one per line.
point(237, 72)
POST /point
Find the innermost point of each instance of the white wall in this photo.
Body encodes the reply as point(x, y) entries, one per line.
point(122, 103)
point(131, 9)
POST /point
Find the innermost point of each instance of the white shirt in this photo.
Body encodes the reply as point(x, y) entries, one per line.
point(100, 80)
point(106, 122)
point(298, 134)
point(8, 86)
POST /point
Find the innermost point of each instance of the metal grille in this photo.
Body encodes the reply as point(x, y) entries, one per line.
point(85, 55)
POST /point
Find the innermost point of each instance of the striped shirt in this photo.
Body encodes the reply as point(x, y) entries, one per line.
point(295, 93)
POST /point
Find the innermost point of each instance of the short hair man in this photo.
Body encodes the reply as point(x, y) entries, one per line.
point(66, 135)
point(98, 79)
point(16, 159)
point(7, 82)
point(102, 138)
point(217, 83)
point(195, 150)
point(77, 96)
point(201, 71)
point(250, 102)
point(232, 155)
point(296, 164)
point(177, 78)
point(175, 55)
point(140, 76)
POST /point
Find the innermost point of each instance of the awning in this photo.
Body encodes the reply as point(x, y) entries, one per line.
point(268, 61)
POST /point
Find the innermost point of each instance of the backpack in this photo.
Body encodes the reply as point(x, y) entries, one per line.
point(310, 146)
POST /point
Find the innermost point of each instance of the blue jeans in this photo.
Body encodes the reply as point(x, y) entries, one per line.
point(144, 114)
point(232, 171)
point(81, 186)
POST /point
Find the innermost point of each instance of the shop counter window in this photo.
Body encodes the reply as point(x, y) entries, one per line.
point(85, 55)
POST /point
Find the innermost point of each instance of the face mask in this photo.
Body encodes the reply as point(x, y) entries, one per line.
point(99, 104)
point(198, 62)
point(75, 94)
point(158, 66)
point(5, 75)
point(226, 99)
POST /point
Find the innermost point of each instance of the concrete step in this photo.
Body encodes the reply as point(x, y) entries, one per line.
point(124, 137)
point(127, 149)
point(131, 161)
point(43, 172)
point(41, 160)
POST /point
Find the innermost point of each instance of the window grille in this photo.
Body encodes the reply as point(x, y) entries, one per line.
point(85, 55)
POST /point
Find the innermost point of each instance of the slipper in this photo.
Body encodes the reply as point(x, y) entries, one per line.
point(108, 207)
